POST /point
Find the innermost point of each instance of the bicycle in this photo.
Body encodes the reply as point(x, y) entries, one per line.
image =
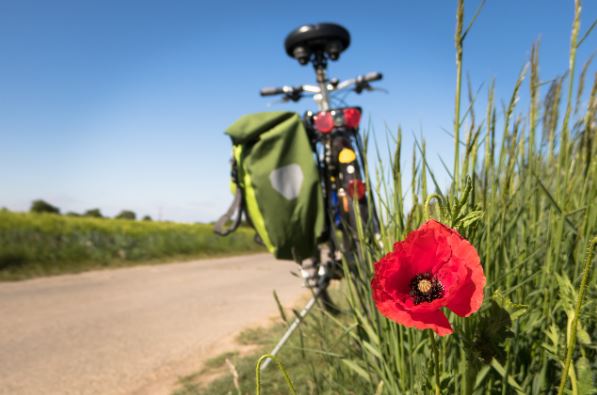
point(338, 148)
point(339, 151)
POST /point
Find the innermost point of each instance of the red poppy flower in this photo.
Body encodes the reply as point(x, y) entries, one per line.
point(434, 267)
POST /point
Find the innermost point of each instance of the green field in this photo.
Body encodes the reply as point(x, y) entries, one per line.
point(44, 244)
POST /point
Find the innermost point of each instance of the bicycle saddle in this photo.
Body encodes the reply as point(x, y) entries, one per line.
point(323, 38)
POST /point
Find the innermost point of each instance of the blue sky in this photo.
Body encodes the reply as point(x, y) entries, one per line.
point(123, 104)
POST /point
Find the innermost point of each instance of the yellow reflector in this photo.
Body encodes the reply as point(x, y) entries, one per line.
point(346, 155)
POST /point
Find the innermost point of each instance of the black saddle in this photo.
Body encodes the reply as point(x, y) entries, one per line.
point(321, 38)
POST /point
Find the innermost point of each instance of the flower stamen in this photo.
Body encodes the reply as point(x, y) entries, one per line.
point(425, 288)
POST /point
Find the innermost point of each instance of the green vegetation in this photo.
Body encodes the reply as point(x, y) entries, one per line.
point(126, 214)
point(218, 361)
point(524, 192)
point(526, 197)
point(41, 206)
point(42, 244)
point(93, 213)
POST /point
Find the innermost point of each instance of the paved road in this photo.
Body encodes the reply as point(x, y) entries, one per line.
point(132, 330)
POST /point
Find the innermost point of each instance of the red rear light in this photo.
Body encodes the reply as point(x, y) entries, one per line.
point(352, 117)
point(356, 188)
point(323, 122)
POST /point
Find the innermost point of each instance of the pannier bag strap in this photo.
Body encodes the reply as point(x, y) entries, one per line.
point(236, 206)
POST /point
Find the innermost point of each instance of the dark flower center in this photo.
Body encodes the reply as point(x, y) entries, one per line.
point(425, 288)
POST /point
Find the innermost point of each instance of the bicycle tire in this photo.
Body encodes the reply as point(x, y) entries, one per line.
point(336, 172)
point(327, 302)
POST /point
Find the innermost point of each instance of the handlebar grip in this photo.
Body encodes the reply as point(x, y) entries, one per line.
point(373, 76)
point(271, 91)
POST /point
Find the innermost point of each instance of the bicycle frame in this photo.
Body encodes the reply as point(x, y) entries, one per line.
point(336, 177)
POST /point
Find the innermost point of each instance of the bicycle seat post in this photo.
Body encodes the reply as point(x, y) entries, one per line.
point(320, 64)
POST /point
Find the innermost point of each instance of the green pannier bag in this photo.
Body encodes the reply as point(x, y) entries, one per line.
point(276, 183)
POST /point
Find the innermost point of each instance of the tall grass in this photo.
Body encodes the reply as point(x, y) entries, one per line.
point(526, 197)
point(529, 206)
point(41, 244)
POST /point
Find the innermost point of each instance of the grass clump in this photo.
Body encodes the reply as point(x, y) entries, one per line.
point(34, 245)
point(524, 193)
point(218, 361)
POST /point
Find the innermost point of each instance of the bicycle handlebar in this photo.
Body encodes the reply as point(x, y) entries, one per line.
point(271, 91)
point(294, 93)
point(373, 76)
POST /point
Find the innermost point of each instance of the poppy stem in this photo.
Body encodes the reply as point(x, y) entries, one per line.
point(435, 361)
point(470, 368)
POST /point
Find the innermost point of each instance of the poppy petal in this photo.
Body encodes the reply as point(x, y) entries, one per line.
point(434, 320)
point(426, 247)
point(393, 276)
point(468, 297)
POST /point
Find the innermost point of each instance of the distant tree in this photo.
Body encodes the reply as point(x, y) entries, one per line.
point(4, 210)
point(94, 212)
point(126, 214)
point(147, 218)
point(41, 206)
point(72, 214)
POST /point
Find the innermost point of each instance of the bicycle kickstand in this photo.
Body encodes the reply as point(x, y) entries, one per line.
point(297, 321)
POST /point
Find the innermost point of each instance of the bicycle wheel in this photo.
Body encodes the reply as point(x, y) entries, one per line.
point(327, 302)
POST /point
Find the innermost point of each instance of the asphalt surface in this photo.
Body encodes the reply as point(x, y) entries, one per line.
point(132, 330)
